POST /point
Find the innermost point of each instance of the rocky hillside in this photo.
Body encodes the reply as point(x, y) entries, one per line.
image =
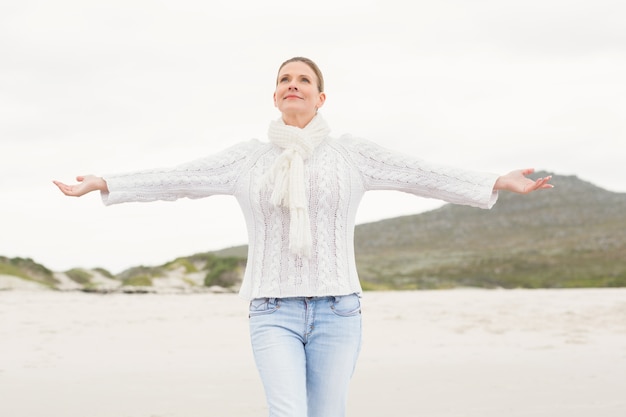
point(571, 236)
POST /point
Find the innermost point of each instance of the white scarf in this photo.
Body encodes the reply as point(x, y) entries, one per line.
point(286, 177)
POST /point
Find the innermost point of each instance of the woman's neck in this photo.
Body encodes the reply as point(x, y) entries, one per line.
point(298, 120)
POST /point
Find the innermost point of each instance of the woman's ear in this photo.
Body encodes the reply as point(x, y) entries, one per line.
point(321, 100)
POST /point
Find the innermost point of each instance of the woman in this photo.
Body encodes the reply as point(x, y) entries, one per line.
point(299, 194)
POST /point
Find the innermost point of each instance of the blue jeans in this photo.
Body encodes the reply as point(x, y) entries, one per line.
point(306, 349)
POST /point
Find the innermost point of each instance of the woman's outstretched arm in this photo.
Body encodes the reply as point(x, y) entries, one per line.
point(86, 184)
point(517, 182)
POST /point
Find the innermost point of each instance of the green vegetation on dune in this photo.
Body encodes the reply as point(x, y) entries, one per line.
point(79, 275)
point(138, 281)
point(223, 271)
point(27, 269)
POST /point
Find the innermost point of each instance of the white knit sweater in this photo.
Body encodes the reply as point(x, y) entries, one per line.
point(337, 175)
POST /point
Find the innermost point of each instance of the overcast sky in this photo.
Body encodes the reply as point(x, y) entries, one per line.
point(118, 85)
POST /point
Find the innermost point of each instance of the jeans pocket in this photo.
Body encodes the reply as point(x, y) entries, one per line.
point(261, 306)
point(346, 305)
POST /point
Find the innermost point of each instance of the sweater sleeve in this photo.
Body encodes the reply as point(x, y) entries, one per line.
point(383, 169)
point(212, 175)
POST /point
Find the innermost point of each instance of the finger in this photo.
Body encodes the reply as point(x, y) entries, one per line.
point(59, 184)
point(532, 186)
point(65, 189)
point(527, 171)
point(546, 184)
point(543, 183)
point(545, 179)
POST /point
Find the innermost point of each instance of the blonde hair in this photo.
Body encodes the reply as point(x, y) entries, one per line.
point(312, 65)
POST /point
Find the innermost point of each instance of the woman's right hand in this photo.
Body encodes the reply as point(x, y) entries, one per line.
point(86, 184)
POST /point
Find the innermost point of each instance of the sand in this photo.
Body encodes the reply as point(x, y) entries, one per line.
point(470, 353)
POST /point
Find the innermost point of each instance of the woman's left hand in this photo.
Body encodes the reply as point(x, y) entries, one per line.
point(517, 182)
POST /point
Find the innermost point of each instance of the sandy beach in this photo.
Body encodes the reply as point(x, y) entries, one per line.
point(457, 353)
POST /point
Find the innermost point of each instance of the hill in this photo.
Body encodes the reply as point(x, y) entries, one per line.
point(571, 236)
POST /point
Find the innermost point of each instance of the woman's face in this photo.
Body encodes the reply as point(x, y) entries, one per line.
point(297, 95)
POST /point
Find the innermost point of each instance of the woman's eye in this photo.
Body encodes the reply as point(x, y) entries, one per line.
point(284, 79)
point(306, 80)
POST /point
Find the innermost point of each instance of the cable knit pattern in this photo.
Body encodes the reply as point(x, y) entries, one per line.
point(216, 174)
point(337, 174)
point(383, 169)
